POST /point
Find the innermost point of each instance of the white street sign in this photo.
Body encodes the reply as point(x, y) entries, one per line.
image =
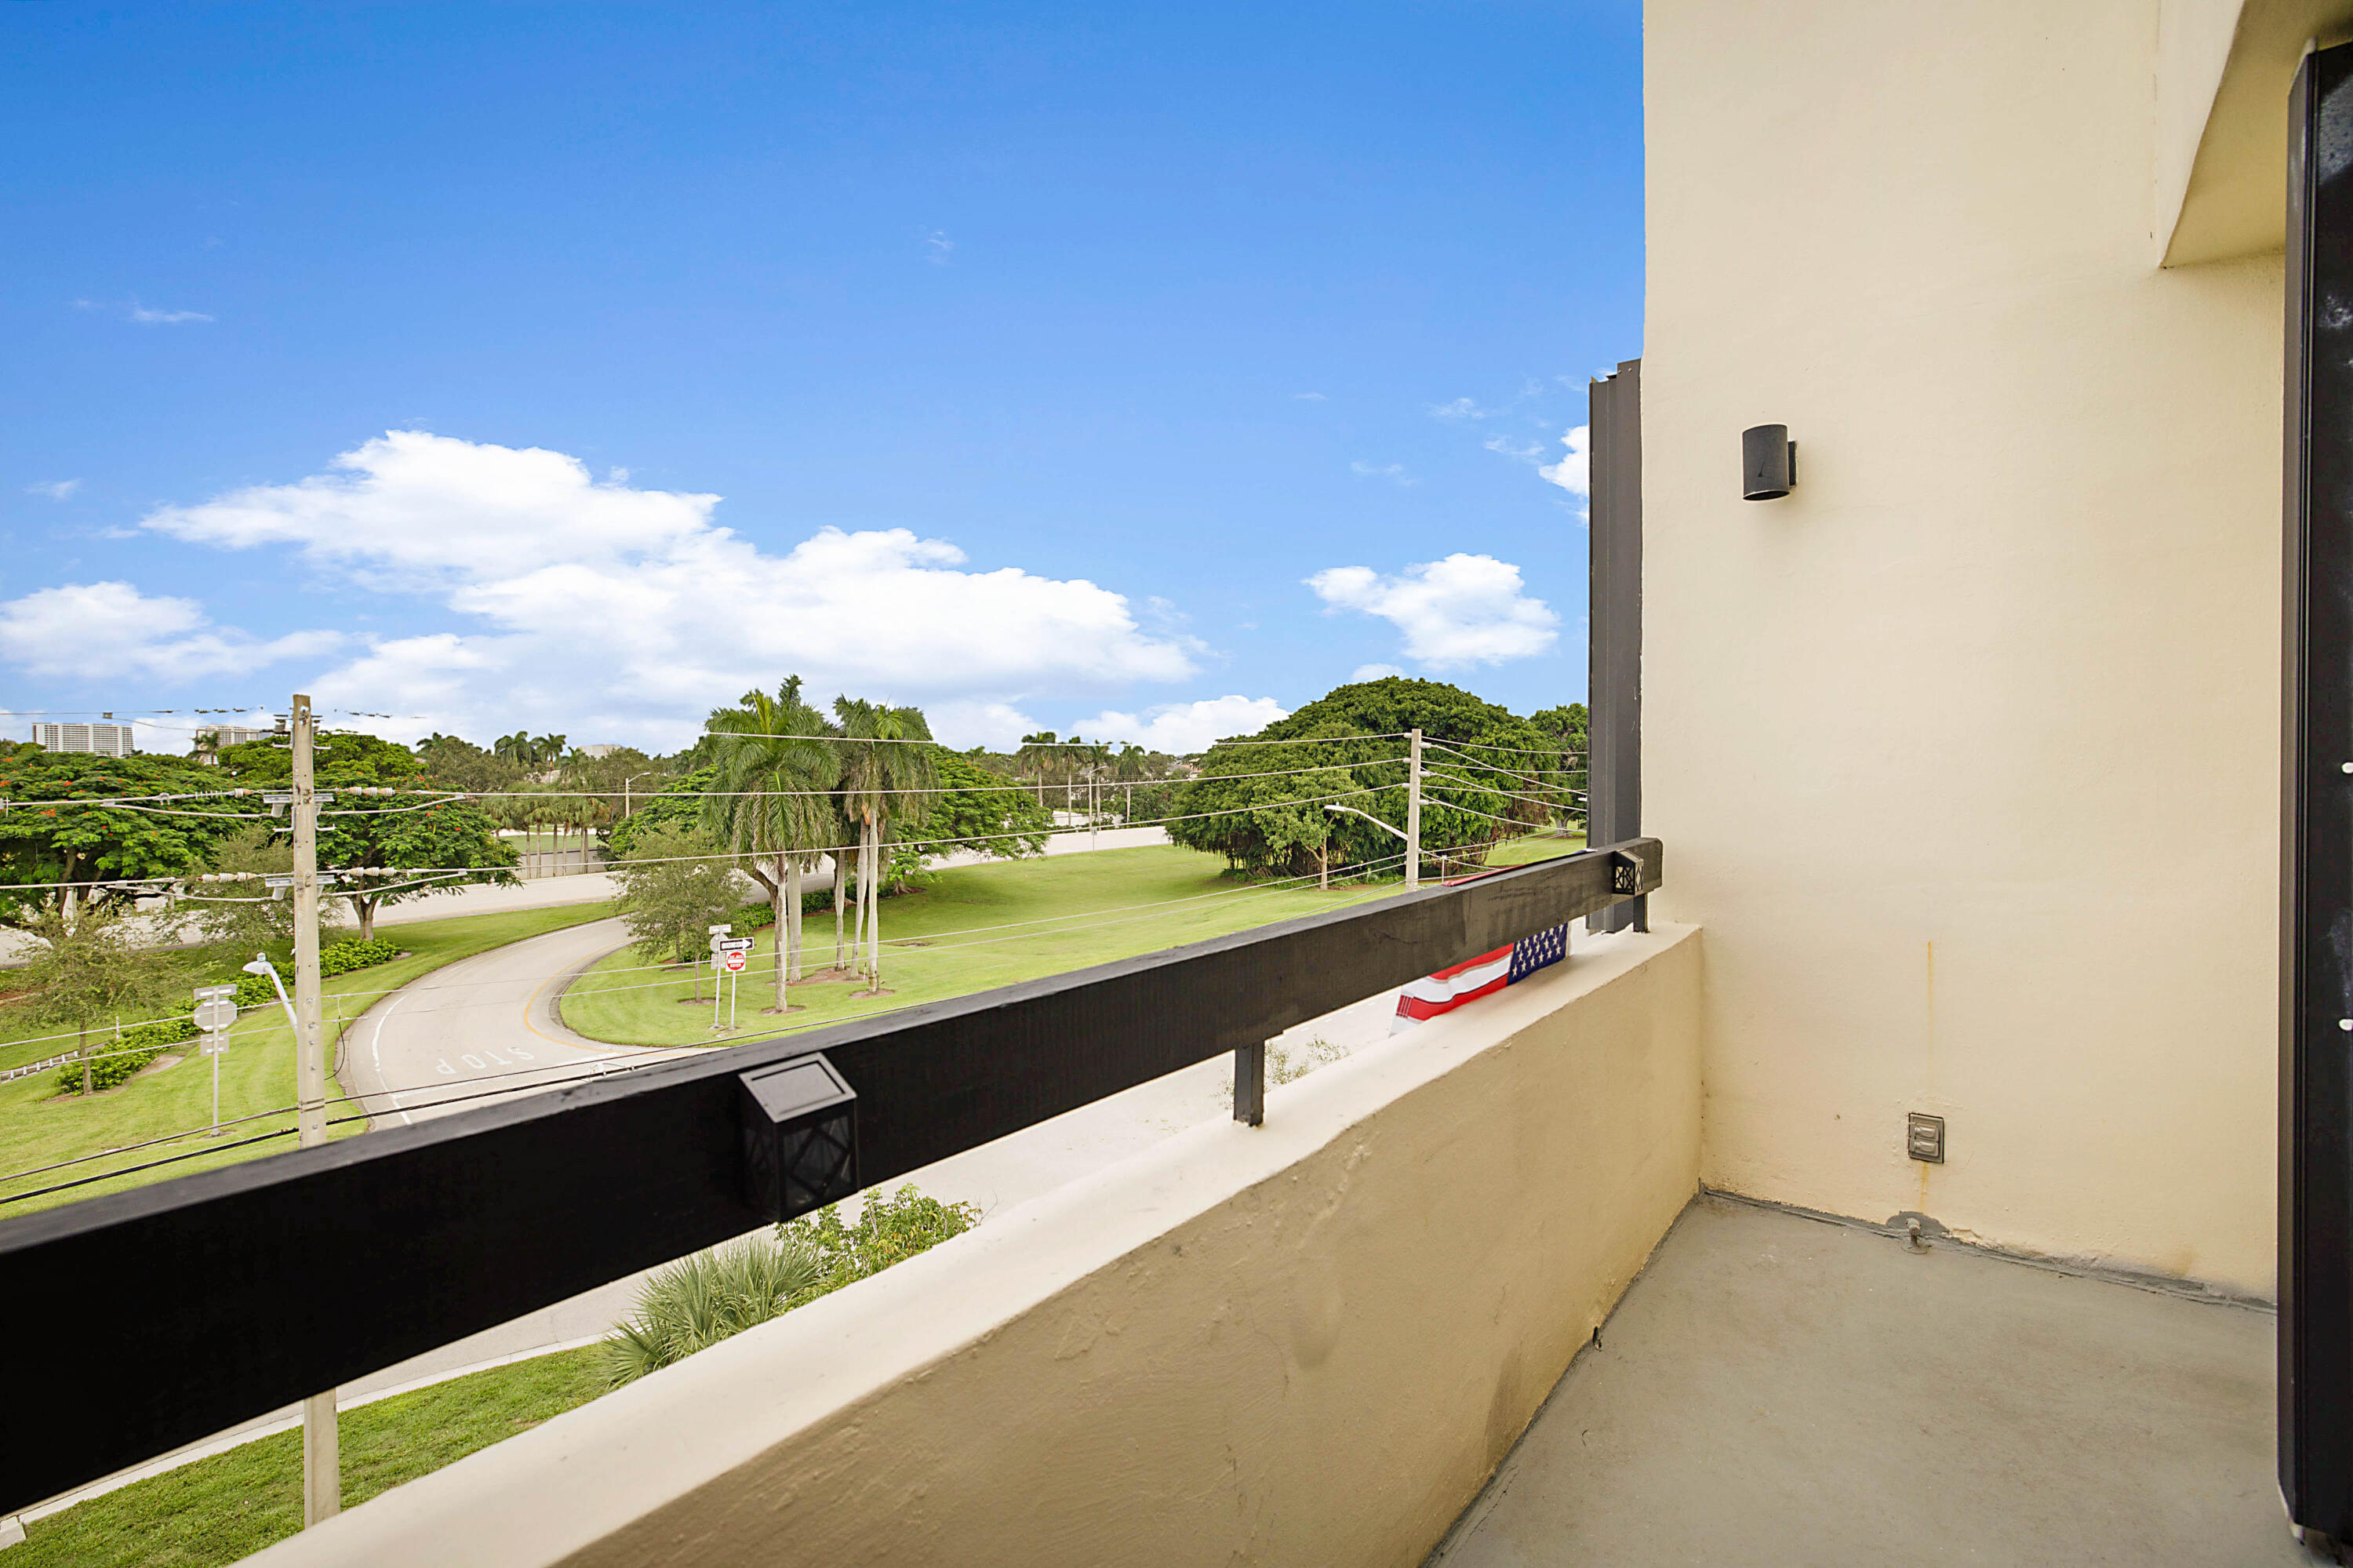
point(212, 1048)
point(730, 944)
point(215, 1008)
point(734, 962)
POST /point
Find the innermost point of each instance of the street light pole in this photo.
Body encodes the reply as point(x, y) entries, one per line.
point(322, 1472)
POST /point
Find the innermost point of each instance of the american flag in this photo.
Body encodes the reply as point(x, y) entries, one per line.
point(1474, 978)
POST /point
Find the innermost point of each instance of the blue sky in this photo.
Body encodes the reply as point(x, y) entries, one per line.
point(1141, 371)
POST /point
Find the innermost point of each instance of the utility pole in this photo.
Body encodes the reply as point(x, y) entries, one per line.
point(1413, 811)
point(323, 1492)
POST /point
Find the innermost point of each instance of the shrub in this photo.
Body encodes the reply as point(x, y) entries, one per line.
point(140, 1044)
point(343, 958)
point(695, 1303)
point(698, 1301)
point(335, 959)
point(888, 1230)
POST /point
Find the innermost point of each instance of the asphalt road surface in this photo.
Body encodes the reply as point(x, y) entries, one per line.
point(482, 1030)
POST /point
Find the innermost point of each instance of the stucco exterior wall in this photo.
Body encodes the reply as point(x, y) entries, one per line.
point(1966, 753)
point(1305, 1343)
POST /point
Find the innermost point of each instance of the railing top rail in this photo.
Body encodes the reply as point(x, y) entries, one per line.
point(305, 1271)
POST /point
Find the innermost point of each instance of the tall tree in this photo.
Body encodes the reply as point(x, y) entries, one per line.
point(1473, 793)
point(887, 772)
point(773, 799)
point(57, 833)
point(674, 888)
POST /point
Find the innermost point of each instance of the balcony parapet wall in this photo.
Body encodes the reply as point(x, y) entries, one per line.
point(1307, 1341)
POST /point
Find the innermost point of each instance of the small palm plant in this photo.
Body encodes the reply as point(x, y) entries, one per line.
point(698, 1301)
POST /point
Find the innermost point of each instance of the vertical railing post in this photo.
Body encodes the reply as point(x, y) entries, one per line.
point(1614, 645)
point(2316, 1023)
point(1249, 1083)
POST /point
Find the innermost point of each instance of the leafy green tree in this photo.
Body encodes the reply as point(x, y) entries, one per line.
point(451, 763)
point(86, 974)
point(772, 799)
point(372, 833)
point(242, 914)
point(679, 804)
point(409, 831)
point(343, 757)
point(58, 832)
point(977, 808)
point(674, 888)
point(1569, 770)
point(1472, 798)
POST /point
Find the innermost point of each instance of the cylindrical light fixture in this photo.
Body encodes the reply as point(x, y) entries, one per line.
point(1769, 462)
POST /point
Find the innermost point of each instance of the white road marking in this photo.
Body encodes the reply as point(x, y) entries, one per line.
point(376, 1052)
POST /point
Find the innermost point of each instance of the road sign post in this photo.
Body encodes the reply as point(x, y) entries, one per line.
point(215, 1011)
point(719, 935)
point(727, 959)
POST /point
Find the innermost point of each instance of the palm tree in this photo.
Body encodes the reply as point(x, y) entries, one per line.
point(882, 777)
point(773, 782)
point(1036, 749)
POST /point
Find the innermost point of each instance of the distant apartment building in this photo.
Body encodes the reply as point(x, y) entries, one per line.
point(599, 752)
point(209, 742)
point(104, 739)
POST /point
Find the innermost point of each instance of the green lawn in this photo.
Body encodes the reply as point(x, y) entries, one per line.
point(1080, 902)
point(234, 1504)
point(39, 1125)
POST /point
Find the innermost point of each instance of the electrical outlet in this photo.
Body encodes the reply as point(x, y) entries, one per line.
point(1923, 1137)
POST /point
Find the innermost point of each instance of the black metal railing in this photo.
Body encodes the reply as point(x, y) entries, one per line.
point(218, 1297)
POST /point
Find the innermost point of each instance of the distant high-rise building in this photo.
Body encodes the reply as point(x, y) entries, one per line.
point(599, 752)
point(209, 741)
point(105, 739)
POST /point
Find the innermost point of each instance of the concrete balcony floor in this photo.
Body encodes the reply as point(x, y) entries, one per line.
point(1775, 1388)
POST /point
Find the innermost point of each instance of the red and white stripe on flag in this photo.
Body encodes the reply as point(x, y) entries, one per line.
point(1474, 978)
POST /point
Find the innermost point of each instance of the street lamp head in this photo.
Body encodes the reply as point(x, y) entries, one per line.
point(260, 966)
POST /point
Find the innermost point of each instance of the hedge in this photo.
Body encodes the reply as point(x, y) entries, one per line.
point(142, 1043)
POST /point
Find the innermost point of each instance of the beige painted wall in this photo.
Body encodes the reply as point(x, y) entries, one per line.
point(1965, 754)
point(1308, 1342)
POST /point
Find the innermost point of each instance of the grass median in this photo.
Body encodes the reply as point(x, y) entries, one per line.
point(231, 1505)
point(971, 928)
point(40, 1126)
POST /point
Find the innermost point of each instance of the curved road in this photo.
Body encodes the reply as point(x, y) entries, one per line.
point(464, 1034)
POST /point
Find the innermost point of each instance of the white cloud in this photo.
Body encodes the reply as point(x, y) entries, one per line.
point(146, 317)
point(1394, 472)
point(1374, 672)
point(1462, 610)
point(110, 630)
point(1573, 472)
point(55, 489)
point(1183, 728)
point(1527, 452)
point(1307, 397)
point(597, 608)
point(410, 510)
point(1462, 408)
point(938, 247)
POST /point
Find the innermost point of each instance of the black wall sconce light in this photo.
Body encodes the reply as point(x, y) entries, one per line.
point(1769, 462)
